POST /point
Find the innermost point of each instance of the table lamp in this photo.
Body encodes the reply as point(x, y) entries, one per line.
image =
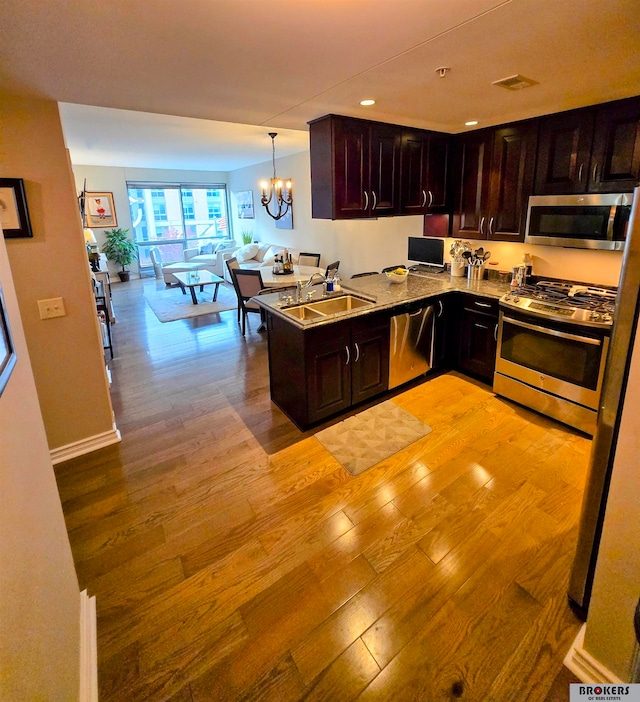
point(92, 249)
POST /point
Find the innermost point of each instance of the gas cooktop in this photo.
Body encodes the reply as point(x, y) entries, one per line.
point(565, 301)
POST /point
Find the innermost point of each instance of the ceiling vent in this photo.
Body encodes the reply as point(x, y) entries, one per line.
point(516, 82)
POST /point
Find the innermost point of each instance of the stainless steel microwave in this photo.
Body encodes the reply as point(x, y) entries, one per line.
point(579, 221)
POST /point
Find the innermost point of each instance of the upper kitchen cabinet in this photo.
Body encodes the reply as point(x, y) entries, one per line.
point(471, 182)
point(493, 181)
point(424, 170)
point(594, 150)
point(615, 156)
point(355, 168)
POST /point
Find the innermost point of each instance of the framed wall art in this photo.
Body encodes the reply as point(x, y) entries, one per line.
point(14, 215)
point(244, 201)
point(286, 222)
point(7, 351)
point(99, 210)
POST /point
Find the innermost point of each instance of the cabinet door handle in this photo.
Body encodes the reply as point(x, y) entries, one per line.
point(495, 333)
point(366, 200)
point(357, 358)
point(481, 304)
point(346, 348)
point(424, 199)
point(595, 171)
point(580, 173)
point(491, 232)
point(430, 198)
point(441, 310)
point(482, 226)
point(375, 200)
point(480, 326)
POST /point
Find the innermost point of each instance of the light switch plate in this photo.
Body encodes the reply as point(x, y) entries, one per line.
point(51, 308)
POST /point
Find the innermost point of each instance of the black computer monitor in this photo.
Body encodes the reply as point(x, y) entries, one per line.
point(426, 251)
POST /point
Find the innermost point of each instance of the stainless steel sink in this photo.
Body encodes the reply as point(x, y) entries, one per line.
point(333, 305)
point(303, 312)
point(323, 308)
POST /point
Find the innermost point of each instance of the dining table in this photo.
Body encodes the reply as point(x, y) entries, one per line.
point(299, 274)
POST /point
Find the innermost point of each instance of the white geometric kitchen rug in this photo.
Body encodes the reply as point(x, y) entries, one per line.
point(170, 304)
point(369, 437)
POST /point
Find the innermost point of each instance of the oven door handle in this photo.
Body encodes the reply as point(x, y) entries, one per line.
point(553, 332)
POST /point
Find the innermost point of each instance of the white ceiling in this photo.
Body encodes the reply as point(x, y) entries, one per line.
point(278, 65)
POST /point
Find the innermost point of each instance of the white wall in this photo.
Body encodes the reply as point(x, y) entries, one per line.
point(39, 597)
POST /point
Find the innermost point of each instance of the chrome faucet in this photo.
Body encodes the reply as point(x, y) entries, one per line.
point(300, 286)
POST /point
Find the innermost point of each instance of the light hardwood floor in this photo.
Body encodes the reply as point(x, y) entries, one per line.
point(232, 558)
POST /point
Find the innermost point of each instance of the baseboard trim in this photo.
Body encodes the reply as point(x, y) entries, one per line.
point(585, 667)
point(80, 448)
point(88, 649)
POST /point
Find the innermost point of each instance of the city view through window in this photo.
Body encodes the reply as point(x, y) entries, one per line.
point(176, 217)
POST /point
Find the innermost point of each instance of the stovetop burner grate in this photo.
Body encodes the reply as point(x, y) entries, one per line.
point(565, 300)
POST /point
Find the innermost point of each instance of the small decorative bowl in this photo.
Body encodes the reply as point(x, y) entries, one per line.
point(399, 275)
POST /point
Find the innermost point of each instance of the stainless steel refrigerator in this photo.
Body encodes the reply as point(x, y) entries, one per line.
point(605, 439)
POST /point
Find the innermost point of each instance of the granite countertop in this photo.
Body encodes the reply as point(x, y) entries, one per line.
point(385, 295)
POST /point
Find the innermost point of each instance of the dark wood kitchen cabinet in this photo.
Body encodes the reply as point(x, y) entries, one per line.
point(355, 168)
point(443, 332)
point(590, 150)
point(493, 180)
point(424, 169)
point(477, 336)
point(321, 371)
point(615, 155)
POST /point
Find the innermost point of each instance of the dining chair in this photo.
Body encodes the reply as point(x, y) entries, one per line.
point(361, 275)
point(232, 263)
point(309, 259)
point(332, 269)
point(248, 284)
point(392, 268)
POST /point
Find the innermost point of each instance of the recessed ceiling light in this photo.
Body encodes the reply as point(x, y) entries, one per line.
point(366, 103)
point(471, 123)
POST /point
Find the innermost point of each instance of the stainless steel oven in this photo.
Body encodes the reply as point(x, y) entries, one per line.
point(552, 362)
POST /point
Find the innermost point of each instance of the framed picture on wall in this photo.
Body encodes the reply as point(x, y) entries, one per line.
point(244, 203)
point(14, 214)
point(7, 351)
point(286, 222)
point(99, 210)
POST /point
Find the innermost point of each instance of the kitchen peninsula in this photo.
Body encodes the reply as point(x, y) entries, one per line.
point(324, 363)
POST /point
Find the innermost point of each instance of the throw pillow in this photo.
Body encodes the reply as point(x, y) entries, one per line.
point(247, 252)
point(262, 252)
point(206, 249)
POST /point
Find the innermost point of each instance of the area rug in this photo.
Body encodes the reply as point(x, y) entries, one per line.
point(367, 438)
point(170, 304)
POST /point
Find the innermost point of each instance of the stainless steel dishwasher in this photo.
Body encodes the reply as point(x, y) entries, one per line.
point(411, 344)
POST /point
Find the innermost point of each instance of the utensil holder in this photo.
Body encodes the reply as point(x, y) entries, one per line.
point(475, 272)
point(457, 269)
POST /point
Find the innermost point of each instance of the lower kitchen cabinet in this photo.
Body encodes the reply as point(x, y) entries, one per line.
point(321, 371)
point(477, 336)
point(443, 333)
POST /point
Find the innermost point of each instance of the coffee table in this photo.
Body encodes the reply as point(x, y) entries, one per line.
point(195, 279)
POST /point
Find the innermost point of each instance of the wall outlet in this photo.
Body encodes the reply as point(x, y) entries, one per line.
point(51, 308)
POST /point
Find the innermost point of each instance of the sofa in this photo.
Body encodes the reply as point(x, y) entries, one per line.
point(253, 255)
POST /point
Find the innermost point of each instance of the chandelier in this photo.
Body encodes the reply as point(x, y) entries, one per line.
point(275, 190)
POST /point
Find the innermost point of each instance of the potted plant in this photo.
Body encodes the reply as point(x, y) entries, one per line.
point(119, 249)
point(246, 236)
